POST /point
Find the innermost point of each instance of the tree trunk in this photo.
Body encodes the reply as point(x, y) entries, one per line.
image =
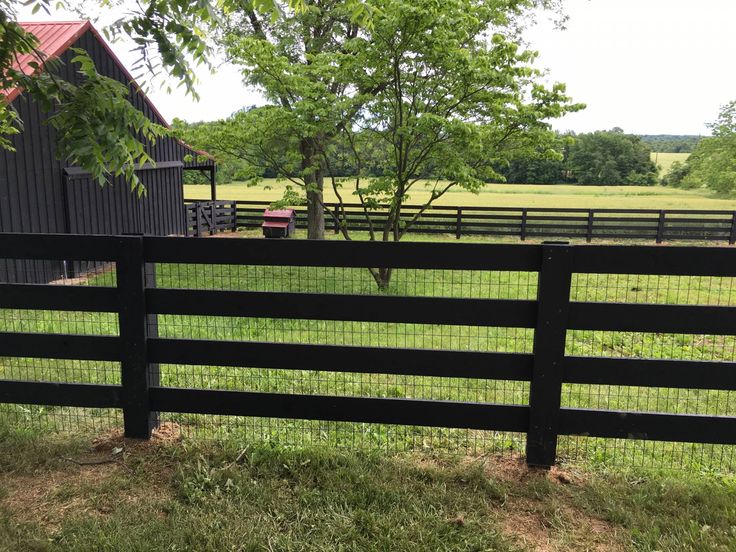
point(314, 179)
point(315, 213)
point(382, 276)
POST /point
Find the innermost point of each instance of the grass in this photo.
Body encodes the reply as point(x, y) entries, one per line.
point(511, 195)
point(664, 160)
point(194, 496)
point(434, 283)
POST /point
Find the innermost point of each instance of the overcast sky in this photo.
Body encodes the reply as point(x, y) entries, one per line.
point(647, 66)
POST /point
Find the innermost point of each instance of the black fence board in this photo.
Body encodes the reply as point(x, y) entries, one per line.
point(344, 358)
point(53, 297)
point(639, 372)
point(70, 247)
point(63, 346)
point(632, 317)
point(60, 394)
point(458, 256)
point(622, 424)
point(343, 409)
point(675, 261)
point(360, 308)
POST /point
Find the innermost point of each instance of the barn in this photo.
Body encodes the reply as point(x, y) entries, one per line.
point(41, 193)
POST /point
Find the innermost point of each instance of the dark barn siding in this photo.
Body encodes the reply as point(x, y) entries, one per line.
point(35, 196)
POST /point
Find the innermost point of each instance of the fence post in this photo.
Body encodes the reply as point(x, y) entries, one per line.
point(523, 224)
point(732, 238)
point(660, 227)
point(213, 220)
point(136, 374)
point(553, 303)
point(589, 235)
point(336, 218)
point(198, 232)
point(459, 224)
point(234, 214)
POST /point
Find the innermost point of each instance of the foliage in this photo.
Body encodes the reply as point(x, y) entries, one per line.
point(611, 157)
point(463, 95)
point(327, 79)
point(676, 175)
point(671, 143)
point(310, 65)
point(713, 163)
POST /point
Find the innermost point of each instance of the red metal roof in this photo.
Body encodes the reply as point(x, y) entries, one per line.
point(54, 38)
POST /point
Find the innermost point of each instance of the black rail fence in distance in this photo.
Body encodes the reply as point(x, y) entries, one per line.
point(137, 303)
point(210, 217)
point(532, 222)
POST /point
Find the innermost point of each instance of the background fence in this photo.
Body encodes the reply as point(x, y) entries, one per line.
point(210, 217)
point(520, 222)
point(610, 354)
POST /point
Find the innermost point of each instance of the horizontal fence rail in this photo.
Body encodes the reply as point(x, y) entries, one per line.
point(139, 304)
point(521, 222)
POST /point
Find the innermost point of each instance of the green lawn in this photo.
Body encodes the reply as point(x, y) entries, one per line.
point(434, 283)
point(229, 496)
point(510, 195)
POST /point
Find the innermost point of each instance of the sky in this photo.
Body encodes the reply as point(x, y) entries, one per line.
point(647, 66)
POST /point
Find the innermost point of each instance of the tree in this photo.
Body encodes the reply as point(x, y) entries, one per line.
point(713, 163)
point(611, 157)
point(676, 175)
point(463, 95)
point(309, 64)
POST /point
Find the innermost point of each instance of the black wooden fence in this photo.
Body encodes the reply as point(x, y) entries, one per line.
point(210, 217)
point(532, 222)
point(140, 350)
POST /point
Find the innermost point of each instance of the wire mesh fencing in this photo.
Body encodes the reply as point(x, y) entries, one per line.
point(59, 419)
point(663, 290)
point(340, 381)
point(332, 381)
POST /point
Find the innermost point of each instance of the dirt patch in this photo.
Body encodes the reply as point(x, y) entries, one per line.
point(46, 499)
point(528, 530)
point(94, 490)
point(95, 483)
point(166, 432)
point(514, 469)
point(526, 522)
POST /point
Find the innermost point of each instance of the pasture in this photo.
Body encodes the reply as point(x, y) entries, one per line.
point(506, 195)
point(664, 160)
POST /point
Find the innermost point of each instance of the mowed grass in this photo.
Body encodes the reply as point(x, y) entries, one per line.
point(114, 495)
point(430, 283)
point(507, 195)
point(664, 160)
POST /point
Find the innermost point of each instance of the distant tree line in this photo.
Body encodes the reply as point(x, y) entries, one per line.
point(597, 158)
point(671, 143)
